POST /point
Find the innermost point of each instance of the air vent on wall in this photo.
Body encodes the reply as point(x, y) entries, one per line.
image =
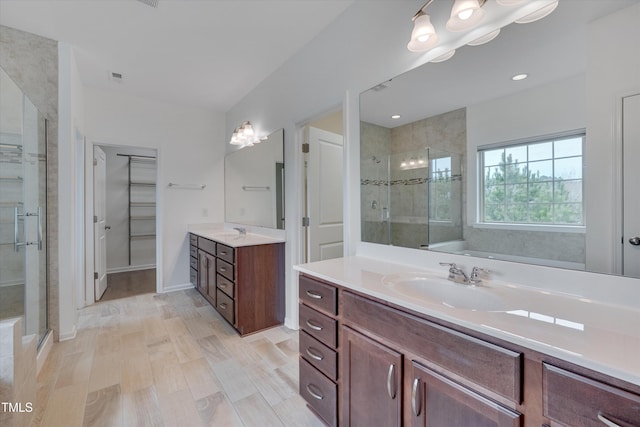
point(152, 3)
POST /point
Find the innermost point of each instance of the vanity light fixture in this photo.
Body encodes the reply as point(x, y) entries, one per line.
point(538, 14)
point(519, 77)
point(423, 36)
point(245, 136)
point(465, 15)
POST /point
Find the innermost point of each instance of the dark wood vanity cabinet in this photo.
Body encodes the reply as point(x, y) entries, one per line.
point(319, 348)
point(245, 284)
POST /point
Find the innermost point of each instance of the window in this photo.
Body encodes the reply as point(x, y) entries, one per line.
point(538, 182)
point(440, 189)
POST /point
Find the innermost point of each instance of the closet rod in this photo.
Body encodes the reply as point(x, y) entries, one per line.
point(135, 155)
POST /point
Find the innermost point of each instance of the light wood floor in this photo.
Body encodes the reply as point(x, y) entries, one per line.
point(169, 360)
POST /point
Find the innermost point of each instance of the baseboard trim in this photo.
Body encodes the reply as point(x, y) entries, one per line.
point(178, 287)
point(43, 351)
point(131, 268)
point(68, 336)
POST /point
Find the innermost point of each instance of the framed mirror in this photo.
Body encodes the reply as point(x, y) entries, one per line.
point(465, 157)
point(254, 183)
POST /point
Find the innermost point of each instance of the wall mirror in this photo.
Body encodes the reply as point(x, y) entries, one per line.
point(520, 170)
point(254, 183)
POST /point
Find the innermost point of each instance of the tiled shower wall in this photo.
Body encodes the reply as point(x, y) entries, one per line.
point(32, 62)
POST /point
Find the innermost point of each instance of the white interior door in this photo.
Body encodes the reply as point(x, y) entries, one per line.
point(631, 185)
point(324, 183)
point(99, 221)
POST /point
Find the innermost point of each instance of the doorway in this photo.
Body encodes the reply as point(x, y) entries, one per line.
point(323, 236)
point(123, 211)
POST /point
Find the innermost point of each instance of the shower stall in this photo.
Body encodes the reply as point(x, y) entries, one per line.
point(23, 210)
point(412, 199)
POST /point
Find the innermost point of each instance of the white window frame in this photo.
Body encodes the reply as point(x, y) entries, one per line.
point(528, 226)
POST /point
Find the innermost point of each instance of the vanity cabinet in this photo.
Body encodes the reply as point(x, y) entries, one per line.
point(245, 284)
point(193, 259)
point(572, 399)
point(319, 347)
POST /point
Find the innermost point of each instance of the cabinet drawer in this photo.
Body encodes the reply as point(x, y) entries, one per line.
point(573, 400)
point(320, 392)
point(319, 355)
point(224, 268)
point(207, 245)
point(193, 239)
point(193, 276)
point(225, 252)
point(319, 326)
point(224, 305)
point(318, 295)
point(194, 263)
point(225, 285)
point(497, 369)
point(193, 251)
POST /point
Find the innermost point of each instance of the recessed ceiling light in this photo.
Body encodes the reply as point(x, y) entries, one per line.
point(444, 57)
point(395, 116)
point(519, 77)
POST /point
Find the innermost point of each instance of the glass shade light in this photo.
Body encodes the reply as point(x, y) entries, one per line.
point(485, 39)
point(245, 136)
point(538, 14)
point(465, 15)
point(423, 36)
point(444, 57)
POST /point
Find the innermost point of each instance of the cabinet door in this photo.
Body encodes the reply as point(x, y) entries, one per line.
point(211, 278)
point(436, 401)
point(203, 266)
point(372, 382)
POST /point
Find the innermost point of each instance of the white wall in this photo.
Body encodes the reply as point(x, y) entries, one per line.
point(71, 121)
point(363, 47)
point(190, 144)
point(614, 39)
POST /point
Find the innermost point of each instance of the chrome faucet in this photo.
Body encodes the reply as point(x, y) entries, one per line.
point(241, 230)
point(456, 274)
point(475, 279)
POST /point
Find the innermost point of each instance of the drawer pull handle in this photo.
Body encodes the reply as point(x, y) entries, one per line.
point(314, 354)
point(314, 295)
point(223, 253)
point(391, 383)
point(316, 395)
point(415, 398)
point(223, 306)
point(223, 285)
point(223, 269)
point(606, 421)
point(313, 326)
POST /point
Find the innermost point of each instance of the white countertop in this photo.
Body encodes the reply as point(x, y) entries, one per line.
point(231, 237)
point(602, 337)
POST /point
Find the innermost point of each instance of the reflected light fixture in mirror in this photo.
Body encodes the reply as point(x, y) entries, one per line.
point(245, 136)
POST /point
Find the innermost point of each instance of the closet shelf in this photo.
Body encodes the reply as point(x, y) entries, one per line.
point(142, 204)
point(140, 218)
point(142, 236)
point(142, 184)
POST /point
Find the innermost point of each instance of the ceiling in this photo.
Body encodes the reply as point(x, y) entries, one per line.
point(548, 50)
point(203, 53)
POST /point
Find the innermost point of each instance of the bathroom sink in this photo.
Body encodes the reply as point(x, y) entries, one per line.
point(430, 288)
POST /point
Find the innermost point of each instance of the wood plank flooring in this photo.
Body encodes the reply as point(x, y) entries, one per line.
point(169, 360)
point(129, 283)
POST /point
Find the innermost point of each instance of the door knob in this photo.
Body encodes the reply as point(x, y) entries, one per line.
point(635, 241)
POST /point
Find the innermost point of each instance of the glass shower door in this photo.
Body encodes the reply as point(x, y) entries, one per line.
point(23, 191)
